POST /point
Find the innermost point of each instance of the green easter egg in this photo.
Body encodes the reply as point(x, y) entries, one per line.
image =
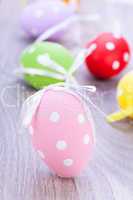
point(50, 58)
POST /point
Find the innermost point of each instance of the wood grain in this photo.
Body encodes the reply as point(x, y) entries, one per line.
point(22, 174)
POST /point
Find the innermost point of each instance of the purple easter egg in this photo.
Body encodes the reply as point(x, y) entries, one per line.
point(38, 17)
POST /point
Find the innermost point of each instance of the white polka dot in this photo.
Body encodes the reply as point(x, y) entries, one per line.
point(31, 130)
point(54, 117)
point(61, 145)
point(44, 59)
point(68, 162)
point(81, 118)
point(91, 49)
point(41, 154)
point(86, 139)
point(39, 13)
point(116, 65)
point(126, 57)
point(110, 46)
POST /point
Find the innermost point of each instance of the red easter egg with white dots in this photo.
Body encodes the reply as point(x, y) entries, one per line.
point(62, 132)
point(108, 55)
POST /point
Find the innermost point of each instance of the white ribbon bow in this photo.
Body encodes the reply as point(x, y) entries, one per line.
point(31, 104)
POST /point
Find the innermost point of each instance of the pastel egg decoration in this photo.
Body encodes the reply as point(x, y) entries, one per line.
point(124, 98)
point(108, 55)
point(40, 16)
point(62, 132)
point(45, 63)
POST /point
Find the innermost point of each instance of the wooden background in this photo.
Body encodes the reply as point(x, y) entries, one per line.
point(23, 176)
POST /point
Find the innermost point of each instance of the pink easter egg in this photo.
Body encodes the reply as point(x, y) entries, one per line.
point(62, 132)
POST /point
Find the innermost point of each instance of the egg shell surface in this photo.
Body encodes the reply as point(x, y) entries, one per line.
point(62, 133)
point(108, 55)
point(125, 91)
point(40, 16)
point(30, 58)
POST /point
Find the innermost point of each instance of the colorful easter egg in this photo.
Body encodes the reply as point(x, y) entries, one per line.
point(45, 63)
point(125, 98)
point(62, 132)
point(40, 16)
point(108, 55)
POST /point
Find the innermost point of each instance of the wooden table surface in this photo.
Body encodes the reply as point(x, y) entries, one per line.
point(23, 176)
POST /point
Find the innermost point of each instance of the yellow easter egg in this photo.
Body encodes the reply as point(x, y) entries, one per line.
point(124, 98)
point(125, 91)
